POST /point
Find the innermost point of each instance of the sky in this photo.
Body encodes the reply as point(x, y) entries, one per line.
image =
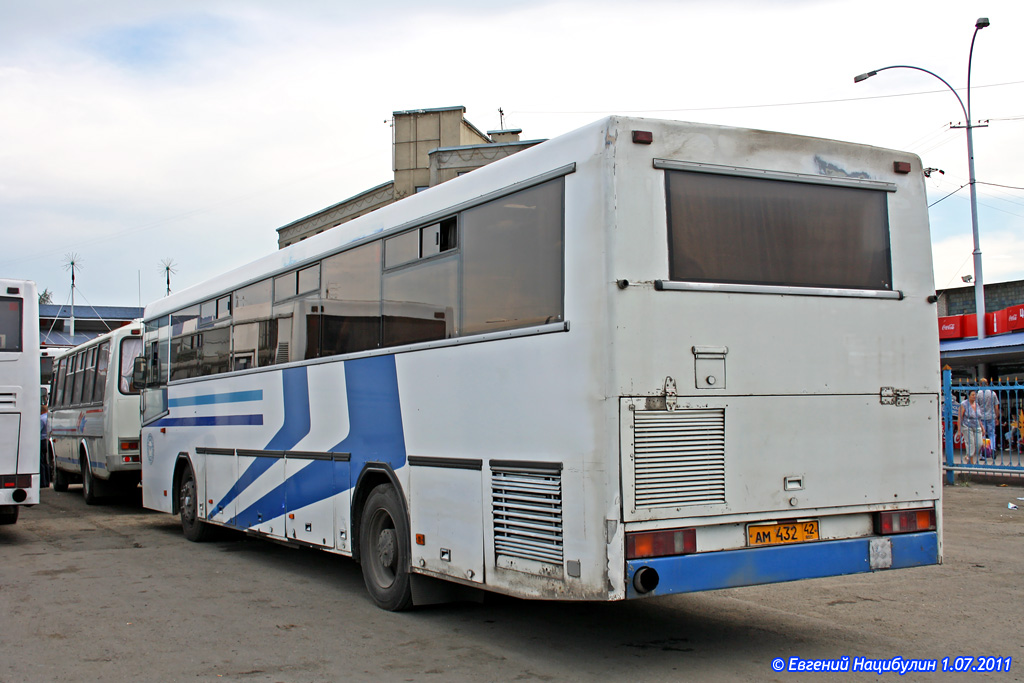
point(136, 134)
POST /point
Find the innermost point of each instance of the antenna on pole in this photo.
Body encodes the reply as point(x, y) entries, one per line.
point(72, 263)
point(167, 266)
point(501, 118)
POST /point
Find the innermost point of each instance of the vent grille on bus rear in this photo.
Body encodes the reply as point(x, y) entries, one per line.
point(679, 457)
point(527, 506)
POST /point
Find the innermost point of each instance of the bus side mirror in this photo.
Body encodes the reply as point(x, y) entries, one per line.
point(139, 372)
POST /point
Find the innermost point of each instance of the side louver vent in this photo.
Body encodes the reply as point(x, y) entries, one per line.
point(527, 506)
point(679, 457)
point(8, 399)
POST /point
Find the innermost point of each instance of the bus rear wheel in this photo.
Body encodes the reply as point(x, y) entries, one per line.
point(10, 517)
point(89, 491)
point(192, 526)
point(383, 549)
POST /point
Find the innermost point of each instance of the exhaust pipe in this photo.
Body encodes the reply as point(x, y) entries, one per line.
point(645, 580)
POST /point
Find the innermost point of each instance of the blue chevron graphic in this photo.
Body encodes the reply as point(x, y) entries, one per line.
point(375, 435)
point(295, 386)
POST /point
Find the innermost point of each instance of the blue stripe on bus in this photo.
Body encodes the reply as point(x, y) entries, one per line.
point(774, 564)
point(210, 421)
point(311, 484)
point(211, 399)
point(375, 435)
point(295, 389)
point(71, 461)
point(374, 414)
point(295, 386)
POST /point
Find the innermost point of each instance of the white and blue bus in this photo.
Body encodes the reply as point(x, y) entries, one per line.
point(642, 358)
point(93, 426)
point(19, 398)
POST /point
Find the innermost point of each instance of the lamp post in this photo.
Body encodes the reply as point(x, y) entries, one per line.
point(979, 286)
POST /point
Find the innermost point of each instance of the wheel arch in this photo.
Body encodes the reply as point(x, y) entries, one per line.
point(83, 452)
point(51, 452)
point(184, 460)
point(373, 475)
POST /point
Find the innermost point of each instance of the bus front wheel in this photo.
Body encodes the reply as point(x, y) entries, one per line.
point(192, 526)
point(383, 549)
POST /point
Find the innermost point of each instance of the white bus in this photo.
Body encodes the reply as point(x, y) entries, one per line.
point(19, 397)
point(643, 358)
point(94, 415)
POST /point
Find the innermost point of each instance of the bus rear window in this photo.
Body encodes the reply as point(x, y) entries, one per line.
point(734, 229)
point(10, 324)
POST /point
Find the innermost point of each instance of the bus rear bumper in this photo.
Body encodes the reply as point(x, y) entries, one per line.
point(776, 564)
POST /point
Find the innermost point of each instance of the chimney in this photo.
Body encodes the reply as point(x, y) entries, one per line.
point(506, 135)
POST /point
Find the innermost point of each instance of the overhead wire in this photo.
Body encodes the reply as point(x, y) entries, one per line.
point(766, 106)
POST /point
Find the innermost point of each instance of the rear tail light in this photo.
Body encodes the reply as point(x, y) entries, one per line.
point(905, 521)
point(643, 544)
point(129, 444)
point(16, 481)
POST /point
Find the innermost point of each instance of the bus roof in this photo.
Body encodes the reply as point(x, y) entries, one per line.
point(402, 214)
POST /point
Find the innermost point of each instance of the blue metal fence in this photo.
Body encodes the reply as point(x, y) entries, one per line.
point(1007, 447)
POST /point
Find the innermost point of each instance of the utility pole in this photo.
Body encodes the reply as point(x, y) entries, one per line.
point(979, 280)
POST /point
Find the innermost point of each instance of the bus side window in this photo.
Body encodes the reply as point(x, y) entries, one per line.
point(347, 317)
point(296, 295)
point(58, 383)
point(89, 383)
point(512, 260)
point(214, 350)
point(253, 344)
point(76, 371)
point(421, 302)
point(69, 381)
point(102, 362)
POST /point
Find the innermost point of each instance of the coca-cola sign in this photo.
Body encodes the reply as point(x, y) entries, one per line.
point(951, 327)
point(1015, 318)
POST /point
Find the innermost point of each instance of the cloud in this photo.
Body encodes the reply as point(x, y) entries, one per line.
point(1002, 258)
point(137, 131)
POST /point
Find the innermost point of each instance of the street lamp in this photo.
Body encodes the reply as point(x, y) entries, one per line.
point(979, 286)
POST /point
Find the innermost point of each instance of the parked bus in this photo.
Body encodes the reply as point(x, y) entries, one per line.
point(643, 358)
point(19, 398)
point(94, 415)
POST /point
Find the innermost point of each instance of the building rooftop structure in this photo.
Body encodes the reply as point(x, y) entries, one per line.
point(90, 322)
point(429, 147)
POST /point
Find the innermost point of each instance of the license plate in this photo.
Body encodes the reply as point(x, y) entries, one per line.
point(781, 534)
